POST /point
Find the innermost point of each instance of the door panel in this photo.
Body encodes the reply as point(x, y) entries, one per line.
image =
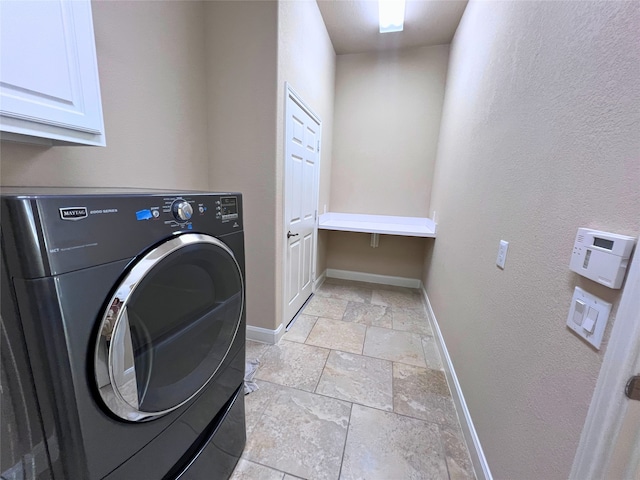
point(294, 271)
point(52, 77)
point(307, 261)
point(297, 167)
point(301, 179)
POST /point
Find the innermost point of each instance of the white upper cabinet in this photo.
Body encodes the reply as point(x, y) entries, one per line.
point(49, 86)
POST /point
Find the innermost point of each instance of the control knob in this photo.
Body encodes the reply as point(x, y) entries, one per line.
point(182, 210)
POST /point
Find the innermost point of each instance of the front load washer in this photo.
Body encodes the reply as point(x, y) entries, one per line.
point(124, 316)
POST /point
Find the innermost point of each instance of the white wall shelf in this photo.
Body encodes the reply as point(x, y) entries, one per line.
point(381, 224)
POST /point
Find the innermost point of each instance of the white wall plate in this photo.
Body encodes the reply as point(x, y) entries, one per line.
point(588, 316)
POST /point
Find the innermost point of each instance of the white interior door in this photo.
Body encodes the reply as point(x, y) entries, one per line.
point(302, 154)
point(624, 462)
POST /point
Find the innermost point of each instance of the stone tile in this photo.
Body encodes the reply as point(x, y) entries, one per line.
point(457, 454)
point(411, 320)
point(256, 402)
point(364, 380)
point(366, 314)
point(286, 437)
point(422, 393)
point(302, 434)
point(431, 353)
point(337, 335)
point(293, 364)
point(393, 345)
point(352, 293)
point(326, 307)
point(407, 298)
point(448, 413)
point(382, 445)
point(420, 379)
point(246, 470)
point(255, 350)
point(301, 328)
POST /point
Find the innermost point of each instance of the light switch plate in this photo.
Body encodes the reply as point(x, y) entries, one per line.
point(594, 310)
point(502, 253)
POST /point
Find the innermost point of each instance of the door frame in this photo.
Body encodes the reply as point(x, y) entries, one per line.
point(609, 404)
point(289, 92)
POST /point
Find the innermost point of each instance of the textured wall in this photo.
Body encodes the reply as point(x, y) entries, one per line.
point(395, 255)
point(306, 61)
point(387, 119)
point(152, 77)
point(540, 135)
point(241, 63)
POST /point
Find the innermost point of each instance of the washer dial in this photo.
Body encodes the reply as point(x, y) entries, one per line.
point(182, 210)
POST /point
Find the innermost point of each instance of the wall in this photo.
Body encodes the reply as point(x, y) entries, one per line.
point(539, 137)
point(152, 80)
point(241, 63)
point(387, 119)
point(395, 256)
point(307, 61)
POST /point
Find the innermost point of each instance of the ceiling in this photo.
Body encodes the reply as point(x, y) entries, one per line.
point(353, 24)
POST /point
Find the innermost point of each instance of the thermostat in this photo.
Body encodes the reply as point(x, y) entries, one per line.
point(602, 257)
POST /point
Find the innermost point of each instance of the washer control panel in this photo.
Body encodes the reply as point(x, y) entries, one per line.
point(182, 211)
point(86, 229)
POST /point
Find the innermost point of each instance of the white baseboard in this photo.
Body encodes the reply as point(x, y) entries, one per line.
point(320, 280)
point(265, 335)
point(478, 459)
point(373, 278)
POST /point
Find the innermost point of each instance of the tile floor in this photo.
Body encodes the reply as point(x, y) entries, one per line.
point(354, 390)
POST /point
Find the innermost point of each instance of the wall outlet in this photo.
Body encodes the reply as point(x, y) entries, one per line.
point(502, 253)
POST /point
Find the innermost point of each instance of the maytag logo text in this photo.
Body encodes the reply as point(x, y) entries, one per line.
point(73, 213)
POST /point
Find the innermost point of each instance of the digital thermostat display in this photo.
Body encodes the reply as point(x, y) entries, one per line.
point(229, 208)
point(601, 256)
point(603, 243)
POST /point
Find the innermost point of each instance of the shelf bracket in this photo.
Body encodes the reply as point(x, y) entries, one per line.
point(375, 240)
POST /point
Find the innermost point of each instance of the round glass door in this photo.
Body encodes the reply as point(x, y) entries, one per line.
point(168, 327)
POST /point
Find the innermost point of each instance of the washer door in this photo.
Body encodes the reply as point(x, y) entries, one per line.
point(168, 327)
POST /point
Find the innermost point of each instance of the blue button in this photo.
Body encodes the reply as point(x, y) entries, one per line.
point(189, 227)
point(144, 215)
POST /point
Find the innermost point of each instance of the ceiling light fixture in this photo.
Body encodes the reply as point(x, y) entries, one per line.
point(391, 13)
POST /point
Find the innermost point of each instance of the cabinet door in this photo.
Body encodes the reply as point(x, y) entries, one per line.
point(49, 83)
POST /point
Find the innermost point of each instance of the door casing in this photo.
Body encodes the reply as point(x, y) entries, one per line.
point(605, 433)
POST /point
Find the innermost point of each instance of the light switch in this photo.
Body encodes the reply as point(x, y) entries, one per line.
point(502, 253)
point(590, 321)
point(588, 316)
point(578, 314)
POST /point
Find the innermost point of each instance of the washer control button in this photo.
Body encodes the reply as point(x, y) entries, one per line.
point(155, 213)
point(182, 210)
